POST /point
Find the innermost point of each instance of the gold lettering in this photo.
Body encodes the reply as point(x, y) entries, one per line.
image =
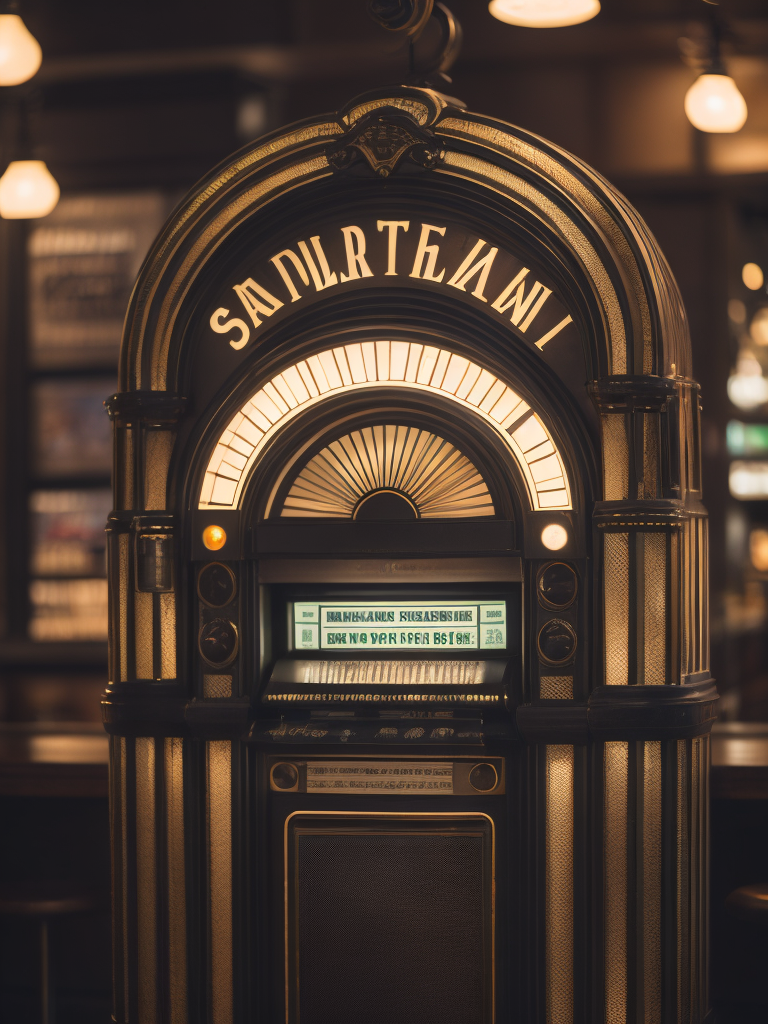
point(520, 302)
point(298, 266)
point(328, 279)
point(392, 226)
point(468, 269)
point(555, 330)
point(431, 252)
point(354, 243)
point(247, 292)
point(234, 324)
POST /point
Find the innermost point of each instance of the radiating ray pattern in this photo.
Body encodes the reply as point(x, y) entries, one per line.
point(393, 673)
point(438, 479)
point(392, 364)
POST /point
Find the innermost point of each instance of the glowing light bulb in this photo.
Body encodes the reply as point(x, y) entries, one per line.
point(544, 13)
point(27, 189)
point(554, 536)
point(214, 537)
point(714, 104)
point(752, 276)
point(20, 53)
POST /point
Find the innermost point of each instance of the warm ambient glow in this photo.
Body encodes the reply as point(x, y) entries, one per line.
point(554, 536)
point(752, 276)
point(747, 387)
point(20, 53)
point(748, 481)
point(758, 549)
point(214, 537)
point(27, 189)
point(714, 104)
point(758, 329)
point(544, 13)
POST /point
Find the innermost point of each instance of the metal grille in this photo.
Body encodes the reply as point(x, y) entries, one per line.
point(556, 687)
point(647, 487)
point(217, 686)
point(177, 897)
point(395, 673)
point(559, 883)
point(392, 928)
point(167, 635)
point(158, 445)
point(654, 547)
point(616, 574)
point(651, 921)
point(615, 458)
point(220, 865)
point(615, 860)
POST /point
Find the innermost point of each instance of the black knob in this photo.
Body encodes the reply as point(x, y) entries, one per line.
point(483, 778)
point(284, 775)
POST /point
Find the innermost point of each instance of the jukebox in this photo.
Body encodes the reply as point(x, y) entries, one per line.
point(409, 693)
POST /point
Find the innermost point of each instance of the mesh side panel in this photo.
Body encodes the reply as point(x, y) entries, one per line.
point(559, 883)
point(217, 686)
point(391, 929)
point(142, 627)
point(167, 635)
point(647, 487)
point(655, 607)
point(176, 879)
point(158, 445)
point(556, 687)
point(615, 866)
point(615, 458)
point(123, 541)
point(652, 880)
point(219, 757)
point(616, 588)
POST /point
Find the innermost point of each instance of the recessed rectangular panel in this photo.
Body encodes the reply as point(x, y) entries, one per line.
point(389, 918)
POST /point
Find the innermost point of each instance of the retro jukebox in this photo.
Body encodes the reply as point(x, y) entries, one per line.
point(409, 695)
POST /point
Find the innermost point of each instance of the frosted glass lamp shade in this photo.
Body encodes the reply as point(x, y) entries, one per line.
point(20, 53)
point(27, 189)
point(714, 104)
point(544, 13)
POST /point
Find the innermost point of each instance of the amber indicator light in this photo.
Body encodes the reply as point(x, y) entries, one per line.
point(214, 537)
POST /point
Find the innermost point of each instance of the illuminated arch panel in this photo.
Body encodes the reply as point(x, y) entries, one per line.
point(385, 364)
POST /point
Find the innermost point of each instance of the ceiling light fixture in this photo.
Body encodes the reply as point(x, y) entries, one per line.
point(20, 53)
point(544, 13)
point(713, 103)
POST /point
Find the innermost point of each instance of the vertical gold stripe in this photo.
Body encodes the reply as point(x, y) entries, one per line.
point(616, 590)
point(157, 456)
point(117, 835)
point(654, 548)
point(124, 852)
point(695, 875)
point(683, 898)
point(559, 883)
point(168, 636)
point(615, 457)
point(142, 628)
point(146, 878)
point(220, 861)
point(127, 467)
point(646, 488)
point(123, 541)
point(651, 922)
point(616, 779)
point(177, 900)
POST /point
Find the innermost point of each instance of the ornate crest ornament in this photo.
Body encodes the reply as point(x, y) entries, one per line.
point(383, 140)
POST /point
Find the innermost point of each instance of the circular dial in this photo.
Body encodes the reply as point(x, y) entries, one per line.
point(284, 775)
point(218, 642)
point(556, 585)
point(483, 778)
point(216, 585)
point(557, 642)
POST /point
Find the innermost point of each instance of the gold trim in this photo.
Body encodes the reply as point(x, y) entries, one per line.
point(560, 766)
point(402, 816)
point(219, 764)
point(583, 249)
point(146, 880)
point(123, 548)
point(652, 845)
point(177, 895)
point(418, 111)
point(451, 126)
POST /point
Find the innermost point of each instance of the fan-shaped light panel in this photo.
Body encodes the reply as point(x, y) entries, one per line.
point(428, 470)
point(392, 364)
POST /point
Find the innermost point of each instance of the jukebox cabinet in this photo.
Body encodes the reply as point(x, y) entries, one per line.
point(409, 695)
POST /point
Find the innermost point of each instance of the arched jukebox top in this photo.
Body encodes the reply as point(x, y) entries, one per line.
point(407, 427)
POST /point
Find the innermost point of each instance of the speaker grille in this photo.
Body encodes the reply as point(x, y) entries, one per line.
point(393, 927)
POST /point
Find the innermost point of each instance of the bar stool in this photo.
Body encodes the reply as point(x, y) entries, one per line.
point(45, 901)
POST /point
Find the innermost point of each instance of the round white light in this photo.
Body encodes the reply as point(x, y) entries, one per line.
point(554, 536)
point(544, 13)
point(752, 276)
point(20, 53)
point(747, 391)
point(714, 104)
point(27, 189)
